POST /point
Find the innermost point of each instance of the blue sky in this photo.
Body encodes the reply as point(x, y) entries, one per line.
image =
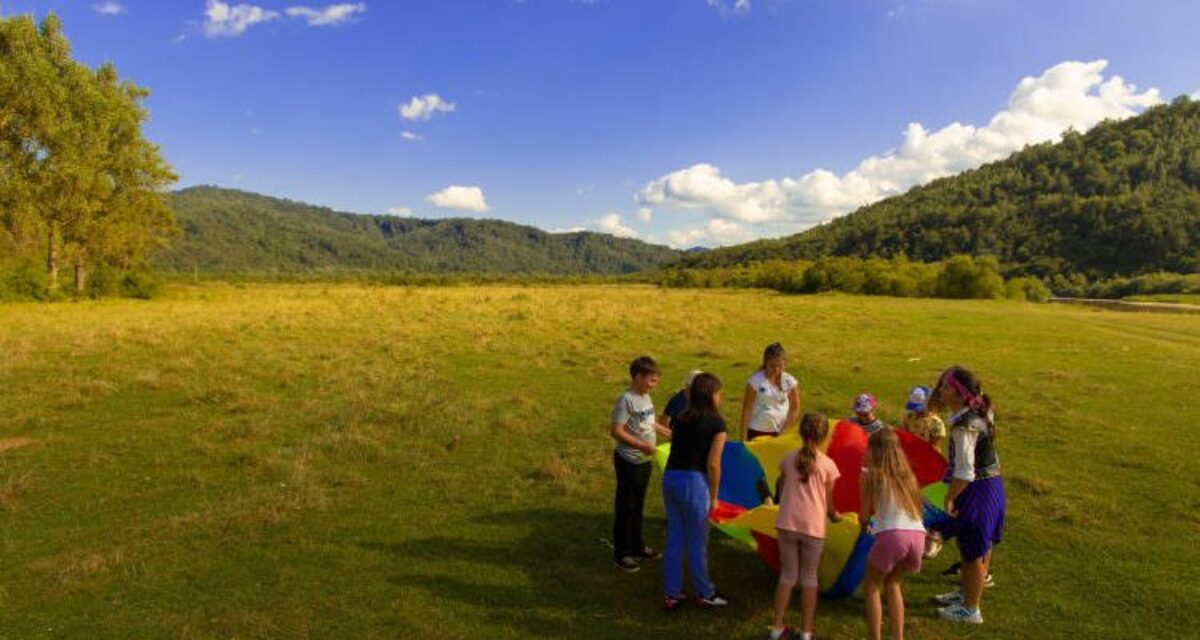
point(678, 121)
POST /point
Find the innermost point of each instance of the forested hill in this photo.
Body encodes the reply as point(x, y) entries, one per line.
point(1122, 199)
point(229, 231)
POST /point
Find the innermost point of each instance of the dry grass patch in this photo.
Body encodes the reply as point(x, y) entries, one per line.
point(13, 487)
point(12, 444)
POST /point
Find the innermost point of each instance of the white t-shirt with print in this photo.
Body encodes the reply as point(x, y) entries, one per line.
point(636, 412)
point(770, 401)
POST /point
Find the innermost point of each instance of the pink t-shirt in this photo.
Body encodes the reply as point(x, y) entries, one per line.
point(802, 506)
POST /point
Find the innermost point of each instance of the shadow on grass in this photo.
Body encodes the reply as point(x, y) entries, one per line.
point(557, 578)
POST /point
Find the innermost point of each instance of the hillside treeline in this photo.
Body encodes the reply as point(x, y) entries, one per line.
point(958, 277)
point(80, 188)
point(233, 233)
point(1119, 201)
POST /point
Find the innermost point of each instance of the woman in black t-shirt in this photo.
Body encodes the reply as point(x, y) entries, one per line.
point(690, 484)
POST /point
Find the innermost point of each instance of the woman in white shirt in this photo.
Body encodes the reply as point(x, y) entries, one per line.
point(772, 400)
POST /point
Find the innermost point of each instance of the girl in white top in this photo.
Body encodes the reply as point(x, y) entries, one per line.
point(889, 490)
point(772, 400)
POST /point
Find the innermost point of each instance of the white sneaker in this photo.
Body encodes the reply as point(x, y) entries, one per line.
point(959, 613)
point(953, 598)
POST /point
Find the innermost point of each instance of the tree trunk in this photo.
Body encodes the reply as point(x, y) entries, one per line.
point(52, 261)
point(80, 277)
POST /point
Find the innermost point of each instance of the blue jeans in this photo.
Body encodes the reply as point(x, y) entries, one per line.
point(685, 494)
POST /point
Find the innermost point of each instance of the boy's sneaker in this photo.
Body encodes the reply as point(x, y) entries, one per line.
point(954, 574)
point(960, 613)
point(955, 597)
point(671, 603)
point(709, 602)
point(627, 564)
point(648, 554)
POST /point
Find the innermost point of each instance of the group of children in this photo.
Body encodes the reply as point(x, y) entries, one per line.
point(892, 505)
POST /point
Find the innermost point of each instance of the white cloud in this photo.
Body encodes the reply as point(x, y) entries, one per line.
point(569, 230)
point(611, 223)
point(110, 8)
point(328, 16)
point(424, 107)
point(1070, 94)
point(459, 197)
point(224, 20)
point(403, 212)
point(645, 214)
point(729, 6)
point(411, 137)
point(716, 232)
point(255, 131)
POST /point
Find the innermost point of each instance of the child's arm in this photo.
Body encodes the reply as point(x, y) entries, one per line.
point(793, 413)
point(620, 434)
point(662, 428)
point(831, 510)
point(714, 467)
point(963, 472)
point(747, 408)
point(866, 506)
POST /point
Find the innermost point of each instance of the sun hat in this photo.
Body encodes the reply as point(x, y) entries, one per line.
point(918, 398)
point(864, 402)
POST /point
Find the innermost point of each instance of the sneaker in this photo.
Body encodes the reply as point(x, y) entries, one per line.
point(955, 597)
point(959, 613)
point(671, 603)
point(954, 574)
point(715, 600)
point(648, 554)
point(627, 564)
point(787, 633)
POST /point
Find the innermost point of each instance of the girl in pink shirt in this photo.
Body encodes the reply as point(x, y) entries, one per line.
point(806, 478)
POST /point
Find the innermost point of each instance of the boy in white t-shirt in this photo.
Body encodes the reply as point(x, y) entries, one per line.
point(634, 429)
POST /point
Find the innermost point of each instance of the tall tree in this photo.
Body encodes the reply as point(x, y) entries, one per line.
point(75, 170)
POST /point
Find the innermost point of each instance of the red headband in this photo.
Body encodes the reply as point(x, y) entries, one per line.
point(973, 401)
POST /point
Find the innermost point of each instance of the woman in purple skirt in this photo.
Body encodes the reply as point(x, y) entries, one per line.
point(975, 501)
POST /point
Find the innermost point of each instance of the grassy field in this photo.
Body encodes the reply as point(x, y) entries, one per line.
point(1179, 298)
point(355, 462)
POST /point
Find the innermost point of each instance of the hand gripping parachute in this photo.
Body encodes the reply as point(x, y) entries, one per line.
point(746, 466)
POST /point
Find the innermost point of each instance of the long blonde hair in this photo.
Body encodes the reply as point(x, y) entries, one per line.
point(890, 473)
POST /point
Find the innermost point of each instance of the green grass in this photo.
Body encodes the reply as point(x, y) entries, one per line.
point(366, 462)
point(1180, 298)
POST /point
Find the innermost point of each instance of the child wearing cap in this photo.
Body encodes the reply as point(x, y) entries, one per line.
point(678, 402)
point(919, 421)
point(864, 413)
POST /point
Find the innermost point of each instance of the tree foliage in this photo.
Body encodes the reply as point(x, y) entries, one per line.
point(233, 232)
point(1120, 200)
point(79, 184)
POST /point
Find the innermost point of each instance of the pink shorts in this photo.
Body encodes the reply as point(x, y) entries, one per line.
point(897, 548)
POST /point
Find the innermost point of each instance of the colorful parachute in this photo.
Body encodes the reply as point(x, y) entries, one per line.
point(746, 466)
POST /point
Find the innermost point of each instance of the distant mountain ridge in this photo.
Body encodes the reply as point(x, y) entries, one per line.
point(230, 231)
point(1122, 199)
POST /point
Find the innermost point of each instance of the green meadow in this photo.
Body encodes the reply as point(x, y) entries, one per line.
point(344, 461)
